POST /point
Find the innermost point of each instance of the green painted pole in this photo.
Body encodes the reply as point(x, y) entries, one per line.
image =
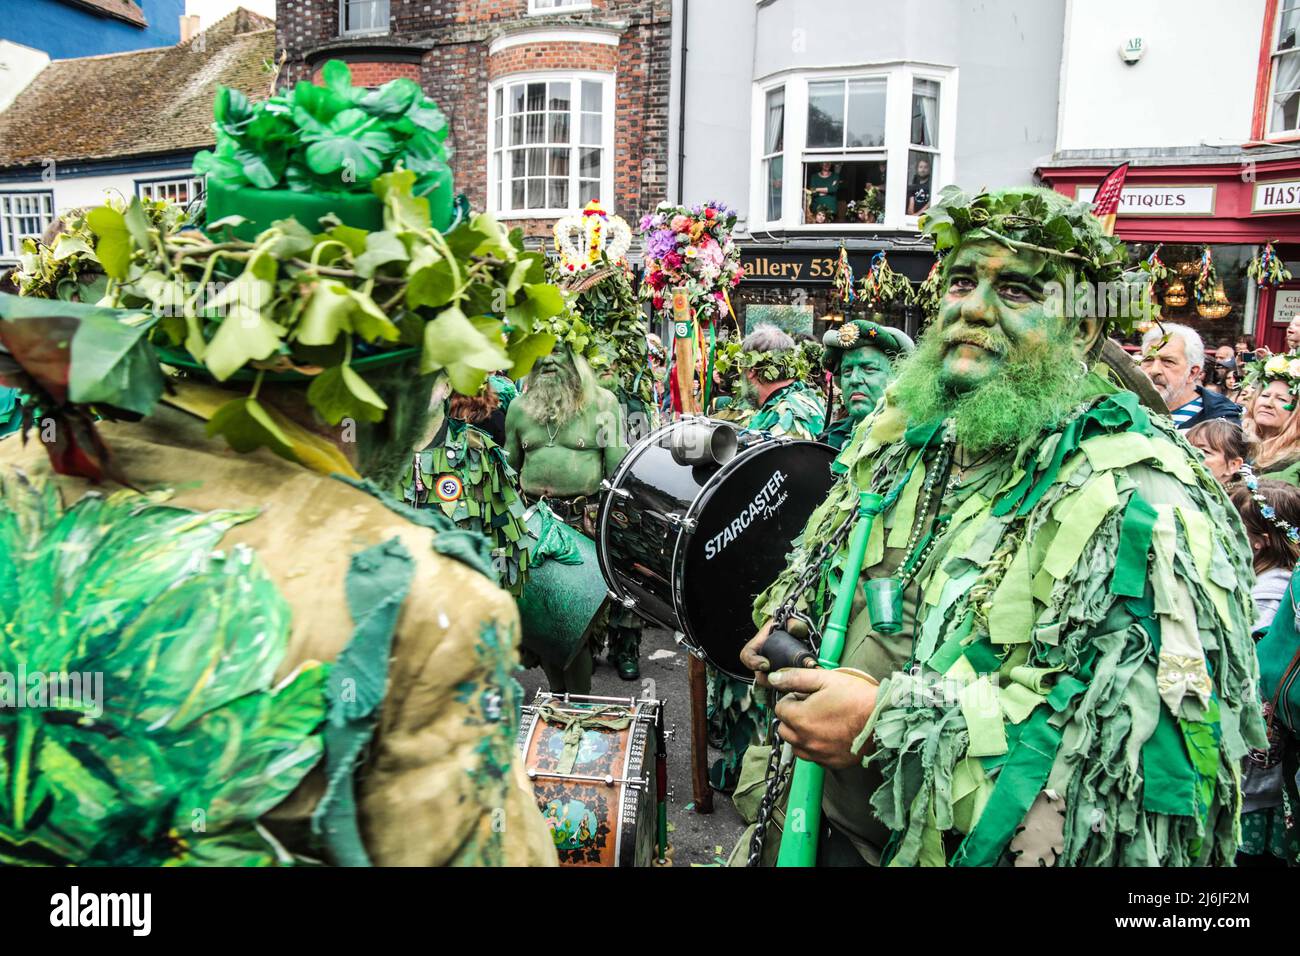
point(799, 846)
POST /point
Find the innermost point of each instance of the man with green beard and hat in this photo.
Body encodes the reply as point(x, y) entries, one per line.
point(860, 355)
point(1057, 669)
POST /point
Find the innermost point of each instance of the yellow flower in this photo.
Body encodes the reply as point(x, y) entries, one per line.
point(1276, 365)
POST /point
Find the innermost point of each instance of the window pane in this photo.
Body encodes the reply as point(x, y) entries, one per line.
point(536, 127)
point(537, 162)
point(591, 96)
point(1286, 81)
point(826, 114)
point(496, 178)
point(589, 164)
point(837, 191)
point(516, 130)
point(517, 162)
point(590, 128)
point(517, 194)
point(497, 101)
point(774, 124)
point(559, 164)
point(1288, 22)
point(559, 97)
point(536, 96)
point(517, 98)
point(588, 190)
point(866, 124)
point(557, 194)
point(775, 169)
point(925, 113)
point(920, 182)
point(536, 193)
point(559, 132)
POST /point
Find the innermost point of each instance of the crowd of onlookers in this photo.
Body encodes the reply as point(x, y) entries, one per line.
point(1237, 406)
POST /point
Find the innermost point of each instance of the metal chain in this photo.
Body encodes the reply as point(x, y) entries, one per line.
point(774, 782)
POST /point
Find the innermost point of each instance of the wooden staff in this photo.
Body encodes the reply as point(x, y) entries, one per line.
point(684, 358)
point(700, 789)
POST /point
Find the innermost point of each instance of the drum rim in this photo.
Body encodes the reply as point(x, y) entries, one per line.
point(635, 453)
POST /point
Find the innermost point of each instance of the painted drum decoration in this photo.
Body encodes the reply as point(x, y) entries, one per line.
point(598, 766)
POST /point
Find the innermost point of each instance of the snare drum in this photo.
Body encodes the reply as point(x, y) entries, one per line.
point(599, 772)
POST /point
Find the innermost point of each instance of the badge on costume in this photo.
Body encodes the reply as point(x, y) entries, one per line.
point(448, 488)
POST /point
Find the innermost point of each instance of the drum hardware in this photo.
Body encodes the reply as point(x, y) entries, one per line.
point(608, 780)
point(627, 602)
point(610, 489)
point(702, 441)
point(677, 521)
point(692, 650)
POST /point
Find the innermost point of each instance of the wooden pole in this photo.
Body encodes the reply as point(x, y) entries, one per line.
point(684, 352)
point(700, 789)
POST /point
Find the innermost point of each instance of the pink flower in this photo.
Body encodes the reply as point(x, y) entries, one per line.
point(673, 261)
point(681, 223)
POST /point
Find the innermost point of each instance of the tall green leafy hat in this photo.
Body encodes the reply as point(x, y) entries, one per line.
point(859, 333)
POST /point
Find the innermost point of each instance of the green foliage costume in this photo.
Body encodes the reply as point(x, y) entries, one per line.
point(294, 666)
point(796, 411)
point(465, 475)
point(1075, 656)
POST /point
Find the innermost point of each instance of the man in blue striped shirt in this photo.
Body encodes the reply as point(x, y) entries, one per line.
point(1173, 356)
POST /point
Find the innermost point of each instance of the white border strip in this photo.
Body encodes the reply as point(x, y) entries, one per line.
point(521, 37)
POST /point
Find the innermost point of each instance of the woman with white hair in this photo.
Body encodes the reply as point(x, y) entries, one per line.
point(1271, 418)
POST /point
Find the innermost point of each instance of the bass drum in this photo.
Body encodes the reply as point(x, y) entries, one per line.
point(689, 541)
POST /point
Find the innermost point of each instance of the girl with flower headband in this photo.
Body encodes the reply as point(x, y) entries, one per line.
point(1271, 420)
point(1270, 510)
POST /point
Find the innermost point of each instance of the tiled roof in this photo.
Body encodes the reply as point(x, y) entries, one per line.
point(138, 103)
point(119, 9)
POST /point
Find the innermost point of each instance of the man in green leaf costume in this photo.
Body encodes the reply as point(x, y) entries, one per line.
point(860, 355)
point(564, 435)
point(772, 379)
point(1073, 681)
point(287, 663)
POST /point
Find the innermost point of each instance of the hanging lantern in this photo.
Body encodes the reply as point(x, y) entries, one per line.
point(1217, 307)
point(1189, 268)
point(1176, 294)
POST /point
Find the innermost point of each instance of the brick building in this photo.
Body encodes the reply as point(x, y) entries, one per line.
point(551, 102)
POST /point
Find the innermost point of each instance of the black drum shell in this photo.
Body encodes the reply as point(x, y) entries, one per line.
point(689, 575)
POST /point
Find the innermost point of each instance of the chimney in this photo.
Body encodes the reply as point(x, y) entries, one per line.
point(189, 27)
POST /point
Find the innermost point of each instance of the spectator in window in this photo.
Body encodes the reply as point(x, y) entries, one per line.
point(918, 190)
point(1270, 511)
point(1271, 420)
point(825, 187)
point(1172, 357)
point(1224, 446)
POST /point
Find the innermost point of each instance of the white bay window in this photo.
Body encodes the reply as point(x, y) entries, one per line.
point(550, 144)
point(852, 148)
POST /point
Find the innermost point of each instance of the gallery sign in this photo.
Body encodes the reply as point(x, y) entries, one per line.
point(1159, 200)
point(1280, 196)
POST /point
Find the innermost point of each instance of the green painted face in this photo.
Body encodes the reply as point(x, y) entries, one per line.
point(864, 373)
point(996, 305)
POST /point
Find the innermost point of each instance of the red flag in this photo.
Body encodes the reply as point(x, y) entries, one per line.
point(1105, 204)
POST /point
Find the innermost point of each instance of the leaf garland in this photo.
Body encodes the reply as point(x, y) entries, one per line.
point(613, 321)
point(842, 281)
point(1031, 220)
point(1267, 268)
point(882, 286)
point(1207, 278)
point(331, 305)
point(332, 138)
point(776, 365)
point(929, 294)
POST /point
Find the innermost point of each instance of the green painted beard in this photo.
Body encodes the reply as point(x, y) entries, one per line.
point(1036, 387)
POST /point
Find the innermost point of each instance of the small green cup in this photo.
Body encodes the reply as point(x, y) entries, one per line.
point(885, 605)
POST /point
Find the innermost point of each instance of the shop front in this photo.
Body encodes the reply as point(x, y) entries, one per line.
point(1207, 221)
point(790, 284)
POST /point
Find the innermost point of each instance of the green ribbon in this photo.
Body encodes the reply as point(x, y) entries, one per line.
point(1024, 772)
point(1130, 576)
point(576, 725)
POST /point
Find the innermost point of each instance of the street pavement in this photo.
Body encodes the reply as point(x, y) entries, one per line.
point(697, 839)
